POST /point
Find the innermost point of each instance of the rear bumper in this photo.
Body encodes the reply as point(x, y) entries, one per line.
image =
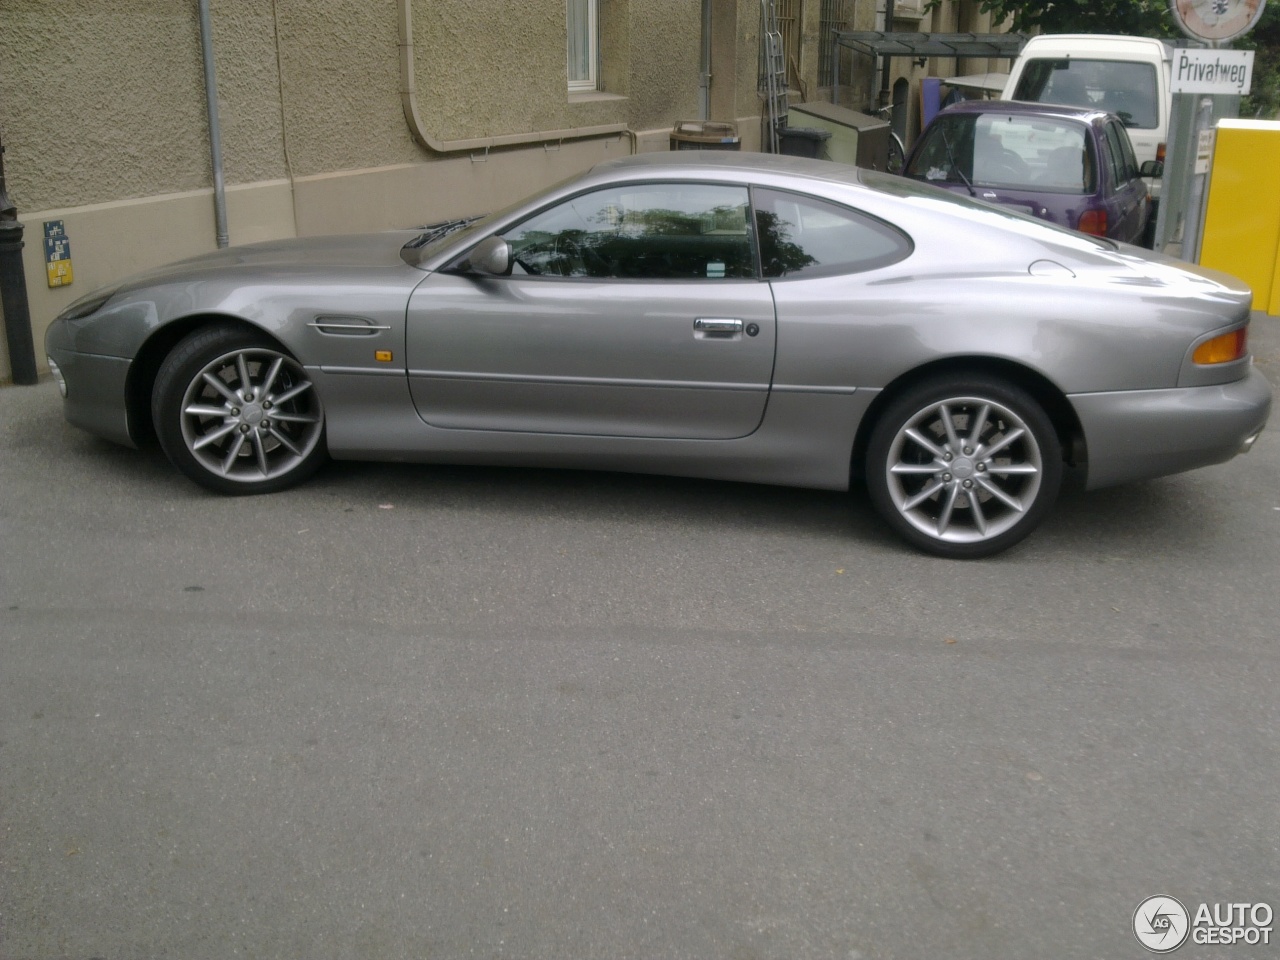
point(1140, 434)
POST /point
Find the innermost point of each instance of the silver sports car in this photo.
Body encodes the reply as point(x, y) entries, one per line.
point(729, 316)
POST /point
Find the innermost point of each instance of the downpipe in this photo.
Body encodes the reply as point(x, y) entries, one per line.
point(215, 128)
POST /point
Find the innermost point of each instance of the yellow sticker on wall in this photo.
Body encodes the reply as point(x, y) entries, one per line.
point(57, 253)
point(60, 273)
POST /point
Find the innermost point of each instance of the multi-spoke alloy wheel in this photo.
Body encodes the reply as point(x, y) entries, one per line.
point(964, 468)
point(236, 414)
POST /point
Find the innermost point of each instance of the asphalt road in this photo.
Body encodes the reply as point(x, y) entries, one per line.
point(444, 712)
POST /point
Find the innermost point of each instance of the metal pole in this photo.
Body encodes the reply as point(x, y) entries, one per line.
point(215, 129)
point(13, 291)
point(884, 70)
point(1192, 232)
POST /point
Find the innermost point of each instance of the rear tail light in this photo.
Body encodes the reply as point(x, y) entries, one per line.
point(1160, 148)
point(1223, 349)
point(1093, 222)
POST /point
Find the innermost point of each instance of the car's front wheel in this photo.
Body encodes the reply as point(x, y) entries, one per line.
point(964, 466)
point(236, 414)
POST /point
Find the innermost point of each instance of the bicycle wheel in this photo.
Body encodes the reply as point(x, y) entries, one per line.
point(897, 154)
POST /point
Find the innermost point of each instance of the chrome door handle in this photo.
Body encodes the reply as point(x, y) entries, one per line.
point(710, 325)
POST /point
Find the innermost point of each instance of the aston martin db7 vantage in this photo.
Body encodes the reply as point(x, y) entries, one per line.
point(727, 316)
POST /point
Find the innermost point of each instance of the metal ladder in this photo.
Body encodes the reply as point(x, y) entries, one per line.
point(773, 76)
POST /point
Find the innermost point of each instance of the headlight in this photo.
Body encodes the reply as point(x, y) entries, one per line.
point(58, 377)
point(87, 305)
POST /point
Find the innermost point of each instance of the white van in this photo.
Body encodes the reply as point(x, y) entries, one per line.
point(1127, 76)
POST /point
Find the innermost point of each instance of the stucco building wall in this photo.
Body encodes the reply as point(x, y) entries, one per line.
point(103, 114)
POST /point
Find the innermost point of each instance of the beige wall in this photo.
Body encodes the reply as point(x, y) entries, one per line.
point(102, 110)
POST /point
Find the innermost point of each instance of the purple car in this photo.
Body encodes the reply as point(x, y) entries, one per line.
point(1073, 166)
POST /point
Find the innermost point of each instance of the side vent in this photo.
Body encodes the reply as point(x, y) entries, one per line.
point(347, 326)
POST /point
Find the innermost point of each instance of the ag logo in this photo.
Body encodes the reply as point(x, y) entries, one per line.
point(1161, 924)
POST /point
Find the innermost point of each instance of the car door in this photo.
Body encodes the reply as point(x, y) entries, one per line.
point(631, 311)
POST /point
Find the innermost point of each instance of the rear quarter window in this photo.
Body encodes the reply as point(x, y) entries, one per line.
point(802, 236)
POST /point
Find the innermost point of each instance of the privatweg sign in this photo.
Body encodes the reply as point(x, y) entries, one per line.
point(1212, 71)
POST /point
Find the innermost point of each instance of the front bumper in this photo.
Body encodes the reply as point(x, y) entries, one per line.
point(1140, 434)
point(95, 399)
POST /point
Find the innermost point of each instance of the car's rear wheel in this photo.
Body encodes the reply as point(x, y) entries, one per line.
point(236, 414)
point(964, 466)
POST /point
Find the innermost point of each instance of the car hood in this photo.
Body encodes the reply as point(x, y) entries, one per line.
point(285, 259)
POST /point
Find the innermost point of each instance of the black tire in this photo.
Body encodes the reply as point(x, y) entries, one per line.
point(975, 488)
point(258, 429)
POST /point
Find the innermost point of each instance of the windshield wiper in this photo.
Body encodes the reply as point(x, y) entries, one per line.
point(951, 157)
point(434, 231)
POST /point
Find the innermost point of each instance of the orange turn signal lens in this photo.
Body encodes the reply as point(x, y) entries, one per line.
point(1223, 349)
point(1093, 222)
point(382, 356)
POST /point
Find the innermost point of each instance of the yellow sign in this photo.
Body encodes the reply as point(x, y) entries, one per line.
point(59, 273)
point(57, 253)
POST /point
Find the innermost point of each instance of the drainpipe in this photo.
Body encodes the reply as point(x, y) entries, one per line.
point(409, 100)
point(13, 291)
point(704, 80)
point(215, 129)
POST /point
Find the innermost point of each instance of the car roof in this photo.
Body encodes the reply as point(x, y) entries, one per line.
point(1095, 46)
point(1027, 108)
point(700, 164)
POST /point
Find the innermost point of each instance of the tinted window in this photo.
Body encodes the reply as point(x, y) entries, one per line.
point(1123, 147)
point(648, 231)
point(1115, 158)
point(1045, 154)
point(1122, 87)
point(804, 236)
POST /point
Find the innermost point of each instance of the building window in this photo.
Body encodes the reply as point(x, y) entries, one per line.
point(834, 16)
point(583, 41)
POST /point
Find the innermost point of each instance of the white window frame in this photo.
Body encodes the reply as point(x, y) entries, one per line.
point(592, 43)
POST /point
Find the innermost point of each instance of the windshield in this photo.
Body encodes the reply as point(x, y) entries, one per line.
point(1041, 154)
point(441, 236)
point(1123, 87)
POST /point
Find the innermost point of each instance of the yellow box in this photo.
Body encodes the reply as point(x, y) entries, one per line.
point(1242, 222)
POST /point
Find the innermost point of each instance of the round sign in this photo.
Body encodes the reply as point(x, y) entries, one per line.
point(1216, 20)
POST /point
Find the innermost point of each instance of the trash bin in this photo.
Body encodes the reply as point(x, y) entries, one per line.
point(705, 135)
point(802, 141)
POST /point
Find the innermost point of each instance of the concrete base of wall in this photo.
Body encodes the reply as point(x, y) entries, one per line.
point(111, 241)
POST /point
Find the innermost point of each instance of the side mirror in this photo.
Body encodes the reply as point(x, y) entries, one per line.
point(1152, 168)
point(491, 258)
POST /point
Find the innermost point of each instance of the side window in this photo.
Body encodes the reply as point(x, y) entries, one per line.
point(1125, 163)
point(803, 236)
point(1115, 158)
point(1130, 160)
point(644, 231)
